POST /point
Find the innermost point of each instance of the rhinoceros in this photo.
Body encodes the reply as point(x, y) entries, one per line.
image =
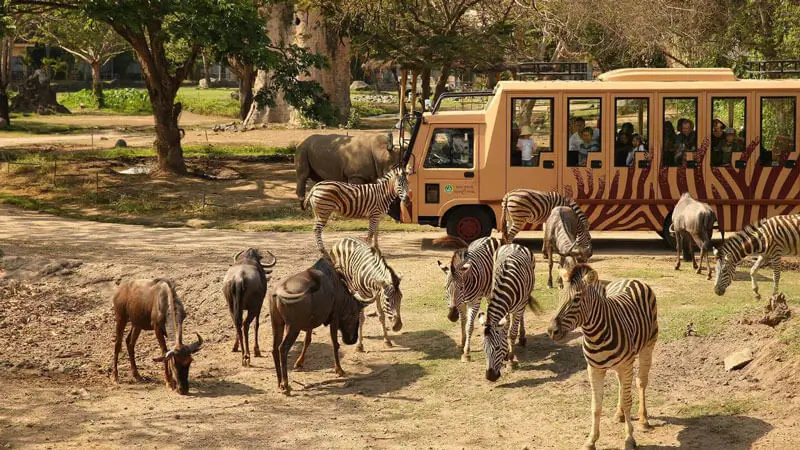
point(352, 159)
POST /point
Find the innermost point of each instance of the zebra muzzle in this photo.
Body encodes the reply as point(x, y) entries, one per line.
point(452, 314)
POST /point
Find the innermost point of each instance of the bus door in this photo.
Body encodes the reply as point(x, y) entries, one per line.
point(631, 173)
point(584, 147)
point(775, 169)
point(447, 173)
point(681, 149)
point(728, 164)
point(533, 160)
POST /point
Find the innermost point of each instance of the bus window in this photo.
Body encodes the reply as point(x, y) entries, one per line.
point(777, 129)
point(728, 132)
point(531, 130)
point(630, 125)
point(680, 136)
point(451, 148)
point(584, 130)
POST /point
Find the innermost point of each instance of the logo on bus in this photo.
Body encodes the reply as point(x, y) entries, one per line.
point(448, 188)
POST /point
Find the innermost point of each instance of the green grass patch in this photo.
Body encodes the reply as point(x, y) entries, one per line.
point(23, 125)
point(217, 102)
point(189, 151)
point(20, 201)
point(209, 102)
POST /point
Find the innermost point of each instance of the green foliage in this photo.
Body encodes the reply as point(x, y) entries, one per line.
point(126, 100)
point(210, 102)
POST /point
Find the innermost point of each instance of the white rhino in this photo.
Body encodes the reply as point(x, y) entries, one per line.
point(335, 157)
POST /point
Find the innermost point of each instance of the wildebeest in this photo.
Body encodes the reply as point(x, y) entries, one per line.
point(695, 220)
point(304, 301)
point(244, 287)
point(154, 305)
point(561, 232)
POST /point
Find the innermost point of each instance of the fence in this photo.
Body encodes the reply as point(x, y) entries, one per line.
point(783, 68)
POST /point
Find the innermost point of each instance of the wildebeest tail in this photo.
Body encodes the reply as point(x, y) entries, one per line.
point(236, 293)
point(534, 305)
point(708, 226)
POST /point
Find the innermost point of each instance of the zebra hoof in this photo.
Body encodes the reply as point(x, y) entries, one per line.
point(644, 425)
point(589, 447)
point(757, 296)
point(619, 417)
point(630, 443)
point(388, 344)
point(466, 358)
point(678, 267)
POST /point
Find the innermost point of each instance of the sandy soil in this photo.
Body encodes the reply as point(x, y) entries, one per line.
point(56, 341)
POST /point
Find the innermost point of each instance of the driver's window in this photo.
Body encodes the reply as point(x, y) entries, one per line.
point(451, 148)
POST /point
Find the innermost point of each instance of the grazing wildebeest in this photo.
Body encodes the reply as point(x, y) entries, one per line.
point(304, 301)
point(693, 220)
point(154, 305)
point(245, 286)
point(561, 237)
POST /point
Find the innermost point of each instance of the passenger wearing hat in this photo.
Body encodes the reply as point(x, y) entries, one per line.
point(727, 147)
point(525, 145)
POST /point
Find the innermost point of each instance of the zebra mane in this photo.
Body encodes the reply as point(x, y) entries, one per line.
point(392, 172)
point(735, 244)
point(577, 272)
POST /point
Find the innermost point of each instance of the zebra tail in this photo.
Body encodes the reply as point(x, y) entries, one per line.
point(503, 225)
point(304, 203)
point(534, 305)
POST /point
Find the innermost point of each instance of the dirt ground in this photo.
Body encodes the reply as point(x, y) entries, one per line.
point(56, 342)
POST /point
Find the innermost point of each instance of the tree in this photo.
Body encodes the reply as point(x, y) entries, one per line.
point(6, 47)
point(88, 39)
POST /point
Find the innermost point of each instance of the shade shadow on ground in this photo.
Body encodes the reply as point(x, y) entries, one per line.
point(562, 360)
point(715, 432)
point(434, 344)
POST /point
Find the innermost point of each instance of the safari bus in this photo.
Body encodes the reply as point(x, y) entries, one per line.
point(624, 147)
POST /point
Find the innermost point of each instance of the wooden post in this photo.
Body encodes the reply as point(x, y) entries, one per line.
point(403, 77)
point(54, 171)
point(414, 75)
point(97, 184)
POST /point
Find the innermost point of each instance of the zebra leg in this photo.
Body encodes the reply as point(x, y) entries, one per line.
point(776, 274)
point(471, 313)
point(645, 361)
point(360, 343)
point(320, 220)
point(523, 339)
point(462, 317)
point(753, 271)
point(372, 234)
point(596, 378)
point(382, 316)
point(625, 378)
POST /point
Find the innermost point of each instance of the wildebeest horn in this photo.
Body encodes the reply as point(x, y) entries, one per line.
point(195, 346)
point(235, 257)
point(169, 353)
point(270, 263)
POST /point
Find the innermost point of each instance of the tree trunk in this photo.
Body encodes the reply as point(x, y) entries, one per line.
point(168, 135)
point(5, 78)
point(206, 70)
point(426, 84)
point(441, 82)
point(97, 84)
point(402, 82)
point(414, 75)
point(5, 116)
point(246, 81)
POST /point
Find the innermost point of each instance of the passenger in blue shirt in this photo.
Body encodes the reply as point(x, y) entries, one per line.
point(587, 145)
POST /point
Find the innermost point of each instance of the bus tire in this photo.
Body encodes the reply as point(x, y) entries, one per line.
point(469, 223)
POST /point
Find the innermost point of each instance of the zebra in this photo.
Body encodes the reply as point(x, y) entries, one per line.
point(618, 323)
point(560, 237)
point(356, 200)
point(526, 206)
point(469, 279)
point(511, 291)
point(770, 238)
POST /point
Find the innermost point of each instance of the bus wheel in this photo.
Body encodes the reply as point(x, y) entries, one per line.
point(469, 223)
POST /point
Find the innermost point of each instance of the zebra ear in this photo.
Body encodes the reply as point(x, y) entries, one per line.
point(444, 268)
point(590, 277)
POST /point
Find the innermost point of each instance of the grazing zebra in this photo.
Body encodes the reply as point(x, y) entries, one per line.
point(770, 238)
point(469, 279)
point(526, 206)
point(561, 237)
point(511, 291)
point(618, 323)
point(368, 277)
point(356, 200)
point(692, 219)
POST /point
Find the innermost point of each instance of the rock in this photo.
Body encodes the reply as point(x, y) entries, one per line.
point(203, 83)
point(358, 85)
point(737, 360)
point(235, 95)
point(120, 143)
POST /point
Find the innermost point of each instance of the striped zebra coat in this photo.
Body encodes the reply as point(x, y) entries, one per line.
point(356, 201)
point(619, 322)
point(511, 291)
point(469, 279)
point(369, 277)
point(525, 206)
point(561, 238)
point(770, 238)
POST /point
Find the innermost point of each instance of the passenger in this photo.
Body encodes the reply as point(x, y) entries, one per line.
point(577, 126)
point(623, 145)
point(717, 133)
point(525, 145)
point(668, 144)
point(686, 141)
point(727, 147)
point(636, 146)
point(587, 145)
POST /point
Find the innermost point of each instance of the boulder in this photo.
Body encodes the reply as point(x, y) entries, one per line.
point(120, 143)
point(37, 96)
point(203, 83)
point(358, 85)
point(739, 359)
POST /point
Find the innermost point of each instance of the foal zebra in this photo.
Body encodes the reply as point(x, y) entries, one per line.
point(618, 323)
point(526, 206)
point(561, 238)
point(368, 276)
point(356, 200)
point(770, 238)
point(469, 279)
point(511, 291)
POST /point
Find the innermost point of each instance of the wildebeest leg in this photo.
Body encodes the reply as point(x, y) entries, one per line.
point(694, 260)
point(117, 346)
point(320, 219)
point(288, 340)
point(277, 338)
point(131, 344)
point(382, 317)
point(679, 247)
point(753, 271)
point(360, 343)
point(246, 325)
point(471, 313)
point(372, 234)
point(256, 350)
point(335, 341)
point(302, 358)
point(162, 343)
point(236, 343)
